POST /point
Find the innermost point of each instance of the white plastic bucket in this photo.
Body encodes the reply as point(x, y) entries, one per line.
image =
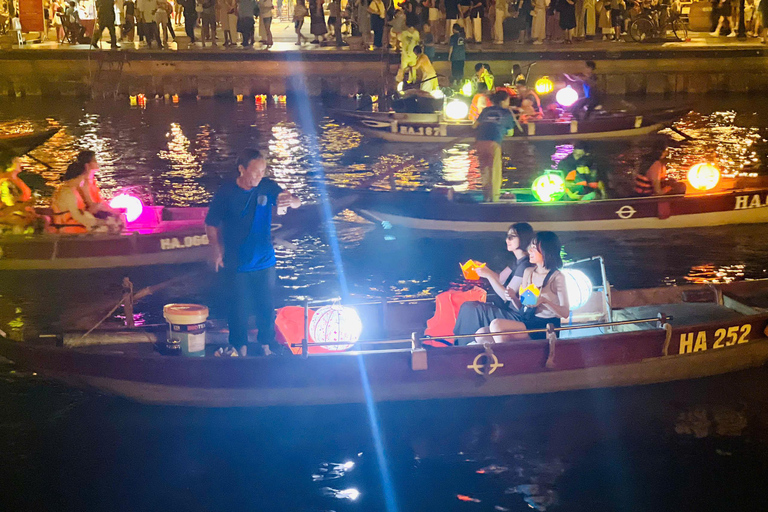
point(187, 327)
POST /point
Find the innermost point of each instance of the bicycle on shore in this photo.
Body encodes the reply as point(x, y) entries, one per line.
point(655, 23)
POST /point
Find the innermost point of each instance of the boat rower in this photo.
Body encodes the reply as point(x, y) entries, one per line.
point(492, 126)
point(70, 213)
point(581, 180)
point(655, 182)
point(424, 71)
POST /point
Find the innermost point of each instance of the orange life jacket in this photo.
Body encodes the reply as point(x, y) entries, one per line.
point(62, 221)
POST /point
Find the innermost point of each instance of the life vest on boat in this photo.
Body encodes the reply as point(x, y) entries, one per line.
point(479, 102)
point(62, 220)
point(447, 305)
point(643, 185)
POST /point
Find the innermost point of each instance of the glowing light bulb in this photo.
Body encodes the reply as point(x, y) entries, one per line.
point(548, 187)
point(578, 286)
point(131, 204)
point(703, 176)
point(567, 96)
point(456, 109)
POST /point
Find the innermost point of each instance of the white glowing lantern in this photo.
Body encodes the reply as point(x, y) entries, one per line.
point(579, 287)
point(456, 109)
point(703, 176)
point(437, 94)
point(331, 324)
point(567, 96)
point(131, 204)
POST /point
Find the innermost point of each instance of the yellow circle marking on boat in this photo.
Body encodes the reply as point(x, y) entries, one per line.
point(480, 367)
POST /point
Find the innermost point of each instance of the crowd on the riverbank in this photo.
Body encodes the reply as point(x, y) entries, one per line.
point(365, 22)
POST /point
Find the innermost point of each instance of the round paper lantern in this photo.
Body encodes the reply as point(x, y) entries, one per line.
point(456, 109)
point(567, 96)
point(336, 323)
point(579, 287)
point(544, 85)
point(703, 176)
point(548, 187)
point(131, 204)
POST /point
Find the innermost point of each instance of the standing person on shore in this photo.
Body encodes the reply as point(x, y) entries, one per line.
point(163, 20)
point(190, 19)
point(265, 13)
point(208, 17)
point(246, 10)
point(105, 11)
point(475, 18)
point(567, 18)
point(299, 13)
point(129, 19)
point(492, 126)
point(452, 17)
point(539, 24)
point(178, 9)
point(317, 25)
point(457, 54)
point(378, 15)
point(226, 11)
point(501, 10)
point(363, 18)
point(239, 227)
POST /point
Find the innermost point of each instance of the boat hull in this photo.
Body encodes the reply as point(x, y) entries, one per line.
point(20, 144)
point(399, 127)
point(426, 211)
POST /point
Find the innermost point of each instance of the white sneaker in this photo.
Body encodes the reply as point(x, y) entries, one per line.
point(732, 34)
point(714, 34)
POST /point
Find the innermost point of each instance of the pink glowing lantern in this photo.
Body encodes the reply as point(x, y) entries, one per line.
point(567, 96)
point(130, 204)
point(336, 323)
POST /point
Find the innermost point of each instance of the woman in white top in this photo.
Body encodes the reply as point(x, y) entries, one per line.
point(552, 303)
point(70, 211)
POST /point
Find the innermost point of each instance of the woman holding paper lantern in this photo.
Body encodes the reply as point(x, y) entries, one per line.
point(545, 300)
point(474, 316)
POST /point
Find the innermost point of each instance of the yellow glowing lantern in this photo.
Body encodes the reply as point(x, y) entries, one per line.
point(133, 101)
point(703, 176)
point(544, 85)
point(239, 98)
point(175, 98)
point(548, 187)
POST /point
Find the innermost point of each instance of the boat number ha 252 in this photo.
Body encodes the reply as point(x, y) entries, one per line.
point(706, 340)
point(167, 244)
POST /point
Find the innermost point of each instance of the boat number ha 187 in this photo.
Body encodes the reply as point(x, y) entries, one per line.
point(724, 337)
point(428, 131)
point(167, 244)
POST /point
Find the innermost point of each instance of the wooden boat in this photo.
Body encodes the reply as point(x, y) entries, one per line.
point(712, 330)
point(18, 144)
point(161, 236)
point(435, 127)
point(443, 212)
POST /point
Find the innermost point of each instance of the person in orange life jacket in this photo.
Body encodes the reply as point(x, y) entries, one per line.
point(492, 125)
point(70, 212)
point(654, 182)
point(552, 303)
point(529, 105)
point(16, 209)
point(474, 316)
point(581, 180)
point(90, 191)
point(238, 225)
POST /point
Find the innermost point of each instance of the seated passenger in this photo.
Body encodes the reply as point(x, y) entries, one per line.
point(90, 191)
point(483, 78)
point(552, 303)
point(70, 213)
point(581, 180)
point(529, 104)
point(654, 182)
point(474, 316)
point(17, 213)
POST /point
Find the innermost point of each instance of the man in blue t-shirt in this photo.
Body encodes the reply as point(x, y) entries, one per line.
point(239, 228)
point(492, 125)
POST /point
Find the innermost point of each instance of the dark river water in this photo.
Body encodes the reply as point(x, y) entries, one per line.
point(672, 447)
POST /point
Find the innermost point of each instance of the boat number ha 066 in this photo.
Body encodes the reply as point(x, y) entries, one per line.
point(167, 244)
point(724, 337)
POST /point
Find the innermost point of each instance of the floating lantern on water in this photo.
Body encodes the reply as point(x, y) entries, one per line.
point(374, 98)
point(544, 85)
point(578, 286)
point(336, 323)
point(567, 96)
point(175, 98)
point(703, 176)
point(133, 100)
point(239, 98)
point(131, 204)
point(456, 109)
point(548, 187)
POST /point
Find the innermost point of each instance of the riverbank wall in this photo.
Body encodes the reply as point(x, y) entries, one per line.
point(629, 71)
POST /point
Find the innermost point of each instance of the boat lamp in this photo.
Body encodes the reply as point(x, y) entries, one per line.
point(456, 110)
point(468, 89)
point(132, 206)
point(469, 269)
point(578, 286)
point(567, 96)
point(703, 176)
point(548, 187)
point(336, 324)
point(544, 85)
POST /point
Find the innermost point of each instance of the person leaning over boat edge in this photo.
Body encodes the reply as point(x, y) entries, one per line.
point(239, 228)
point(473, 315)
point(552, 303)
point(491, 126)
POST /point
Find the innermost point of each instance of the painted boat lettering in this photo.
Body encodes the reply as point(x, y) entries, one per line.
point(427, 131)
point(480, 367)
point(753, 201)
point(725, 337)
point(167, 244)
